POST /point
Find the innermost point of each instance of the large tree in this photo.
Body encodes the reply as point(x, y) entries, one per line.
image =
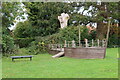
point(96, 12)
point(9, 13)
point(106, 11)
point(44, 16)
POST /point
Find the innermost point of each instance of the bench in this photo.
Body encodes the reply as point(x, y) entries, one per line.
point(18, 57)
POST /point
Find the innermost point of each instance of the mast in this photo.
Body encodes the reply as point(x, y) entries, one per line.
point(108, 31)
point(79, 37)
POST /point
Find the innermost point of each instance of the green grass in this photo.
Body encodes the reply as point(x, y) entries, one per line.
point(44, 66)
point(0, 66)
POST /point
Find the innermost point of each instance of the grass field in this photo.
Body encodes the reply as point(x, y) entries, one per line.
point(0, 66)
point(44, 66)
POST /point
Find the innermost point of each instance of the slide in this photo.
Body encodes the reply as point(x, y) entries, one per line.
point(58, 55)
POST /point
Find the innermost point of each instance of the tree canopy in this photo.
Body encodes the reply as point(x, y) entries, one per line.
point(9, 13)
point(43, 16)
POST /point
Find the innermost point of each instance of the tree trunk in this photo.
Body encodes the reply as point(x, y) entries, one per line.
point(101, 30)
point(101, 27)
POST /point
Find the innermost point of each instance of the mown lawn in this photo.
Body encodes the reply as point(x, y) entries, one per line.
point(0, 66)
point(44, 66)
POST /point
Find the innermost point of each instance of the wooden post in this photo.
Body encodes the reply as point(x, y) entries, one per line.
point(98, 42)
point(65, 45)
point(68, 43)
point(73, 44)
point(92, 42)
point(79, 37)
point(86, 43)
point(103, 43)
point(107, 33)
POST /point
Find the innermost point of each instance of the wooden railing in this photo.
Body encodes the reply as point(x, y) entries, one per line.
point(58, 47)
point(75, 44)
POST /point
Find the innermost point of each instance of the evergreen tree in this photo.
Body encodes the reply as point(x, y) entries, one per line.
point(44, 16)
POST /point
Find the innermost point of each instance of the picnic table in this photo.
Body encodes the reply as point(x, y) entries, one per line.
point(18, 57)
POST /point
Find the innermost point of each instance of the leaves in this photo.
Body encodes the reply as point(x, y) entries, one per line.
point(9, 13)
point(44, 16)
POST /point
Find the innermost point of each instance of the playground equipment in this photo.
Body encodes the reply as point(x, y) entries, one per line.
point(84, 50)
point(88, 50)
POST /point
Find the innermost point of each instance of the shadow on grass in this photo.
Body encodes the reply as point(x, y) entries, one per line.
point(21, 60)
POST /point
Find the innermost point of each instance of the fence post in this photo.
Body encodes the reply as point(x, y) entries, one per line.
point(92, 42)
point(65, 45)
point(86, 43)
point(103, 43)
point(98, 42)
point(79, 37)
point(73, 43)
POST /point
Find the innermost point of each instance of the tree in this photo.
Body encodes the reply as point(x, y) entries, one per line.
point(9, 13)
point(23, 30)
point(101, 14)
point(96, 12)
point(43, 16)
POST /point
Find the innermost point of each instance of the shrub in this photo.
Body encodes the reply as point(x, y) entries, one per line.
point(113, 41)
point(23, 42)
point(8, 46)
point(69, 34)
point(37, 48)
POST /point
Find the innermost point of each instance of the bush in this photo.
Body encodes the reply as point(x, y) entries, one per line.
point(23, 30)
point(113, 41)
point(37, 48)
point(69, 34)
point(8, 46)
point(23, 42)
